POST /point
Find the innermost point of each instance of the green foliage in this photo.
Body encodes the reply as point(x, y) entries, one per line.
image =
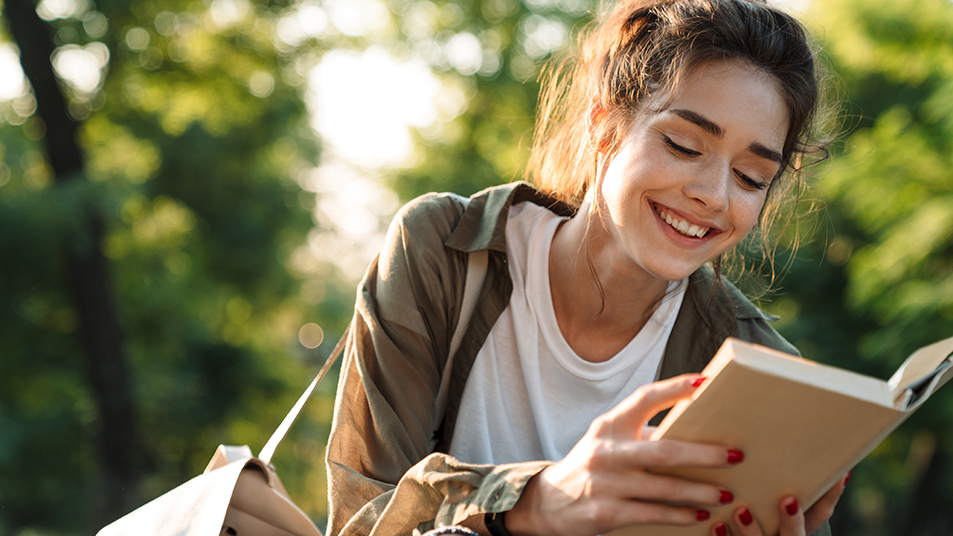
point(193, 146)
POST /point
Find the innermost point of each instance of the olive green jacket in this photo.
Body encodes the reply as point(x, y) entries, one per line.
point(384, 475)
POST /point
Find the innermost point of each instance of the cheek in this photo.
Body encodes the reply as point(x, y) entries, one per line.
point(615, 190)
point(747, 211)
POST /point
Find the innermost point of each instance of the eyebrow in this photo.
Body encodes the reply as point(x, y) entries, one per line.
point(706, 124)
point(712, 128)
point(762, 151)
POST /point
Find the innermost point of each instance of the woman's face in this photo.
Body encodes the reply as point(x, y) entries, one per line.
point(688, 182)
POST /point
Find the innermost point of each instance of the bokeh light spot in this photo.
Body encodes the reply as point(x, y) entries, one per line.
point(311, 335)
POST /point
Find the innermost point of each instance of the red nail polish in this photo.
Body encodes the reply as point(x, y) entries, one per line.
point(726, 497)
point(735, 456)
point(792, 508)
point(745, 517)
point(702, 515)
point(697, 382)
point(847, 478)
point(721, 530)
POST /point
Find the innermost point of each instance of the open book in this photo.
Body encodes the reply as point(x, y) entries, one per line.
point(802, 425)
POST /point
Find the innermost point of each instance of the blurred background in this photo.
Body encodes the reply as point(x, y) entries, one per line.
point(191, 189)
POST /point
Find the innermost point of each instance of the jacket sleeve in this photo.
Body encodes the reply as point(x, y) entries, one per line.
point(382, 478)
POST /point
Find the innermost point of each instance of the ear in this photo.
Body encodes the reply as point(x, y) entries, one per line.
point(595, 118)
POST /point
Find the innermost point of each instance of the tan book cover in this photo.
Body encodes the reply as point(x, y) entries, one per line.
point(802, 425)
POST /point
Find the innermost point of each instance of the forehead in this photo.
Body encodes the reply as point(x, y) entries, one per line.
point(736, 96)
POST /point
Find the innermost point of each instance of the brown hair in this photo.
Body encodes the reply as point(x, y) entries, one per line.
point(643, 47)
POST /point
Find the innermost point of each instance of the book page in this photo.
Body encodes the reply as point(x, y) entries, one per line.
point(921, 364)
point(812, 373)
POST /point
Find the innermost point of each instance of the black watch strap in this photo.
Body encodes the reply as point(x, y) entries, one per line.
point(496, 524)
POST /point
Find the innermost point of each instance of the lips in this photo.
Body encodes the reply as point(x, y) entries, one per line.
point(682, 226)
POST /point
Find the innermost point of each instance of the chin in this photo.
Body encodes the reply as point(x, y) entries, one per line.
point(673, 273)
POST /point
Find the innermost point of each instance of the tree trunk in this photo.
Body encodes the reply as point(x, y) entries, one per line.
point(118, 445)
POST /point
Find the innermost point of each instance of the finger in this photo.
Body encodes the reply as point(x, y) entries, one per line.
point(636, 409)
point(668, 453)
point(647, 513)
point(746, 524)
point(647, 432)
point(638, 485)
point(792, 518)
point(719, 529)
point(823, 509)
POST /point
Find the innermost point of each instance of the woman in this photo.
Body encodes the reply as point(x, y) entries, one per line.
point(678, 134)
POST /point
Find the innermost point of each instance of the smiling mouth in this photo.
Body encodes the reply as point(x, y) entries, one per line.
point(682, 226)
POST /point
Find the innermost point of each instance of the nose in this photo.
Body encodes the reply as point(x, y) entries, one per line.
point(711, 188)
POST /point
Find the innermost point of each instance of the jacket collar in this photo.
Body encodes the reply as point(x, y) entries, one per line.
point(483, 225)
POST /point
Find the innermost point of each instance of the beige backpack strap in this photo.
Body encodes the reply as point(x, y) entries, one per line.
point(268, 451)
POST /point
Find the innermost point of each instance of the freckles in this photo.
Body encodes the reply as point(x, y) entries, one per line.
point(749, 213)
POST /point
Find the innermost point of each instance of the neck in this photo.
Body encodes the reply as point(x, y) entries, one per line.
point(597, 325)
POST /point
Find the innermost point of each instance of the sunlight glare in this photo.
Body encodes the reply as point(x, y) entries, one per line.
point(357, 17)
point(351, 215)
point(12, 82)
point(543, 35)
point(226, 13)
point(350, 201)
point(309, 19)
point(465, 53)
point(312, 18)
point(82, 67)
point(363, 103)
point(61, 9)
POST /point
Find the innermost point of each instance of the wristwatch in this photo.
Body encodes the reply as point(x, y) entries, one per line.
point(496, 524)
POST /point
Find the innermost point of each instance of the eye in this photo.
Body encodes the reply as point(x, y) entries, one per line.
point(752, 183)
point(680, 149)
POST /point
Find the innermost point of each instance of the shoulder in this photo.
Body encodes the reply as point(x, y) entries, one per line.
point(431, 214)
point(731, 313)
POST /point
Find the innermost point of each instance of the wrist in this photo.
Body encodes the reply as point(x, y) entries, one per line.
point(523, 518)
point(496, 524)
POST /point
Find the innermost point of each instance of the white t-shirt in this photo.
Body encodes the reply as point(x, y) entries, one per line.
point(529, 396)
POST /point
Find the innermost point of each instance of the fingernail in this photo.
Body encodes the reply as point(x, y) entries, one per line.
point(702, 515)
point(735, 456)
point(792, 508)
point(721, 529)
point(745, 517)
point(847, 478)
point(726, 497)
point(698, 381)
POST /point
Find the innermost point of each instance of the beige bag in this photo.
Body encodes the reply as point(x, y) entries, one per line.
point(237, 495)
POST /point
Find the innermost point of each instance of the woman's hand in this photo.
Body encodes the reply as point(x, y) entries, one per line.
point(794, 521)
point(602, 484)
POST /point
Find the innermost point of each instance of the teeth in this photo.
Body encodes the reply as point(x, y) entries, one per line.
point(683, 227)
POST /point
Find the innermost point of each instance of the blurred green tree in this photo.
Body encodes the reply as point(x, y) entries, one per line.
point(192, 139)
